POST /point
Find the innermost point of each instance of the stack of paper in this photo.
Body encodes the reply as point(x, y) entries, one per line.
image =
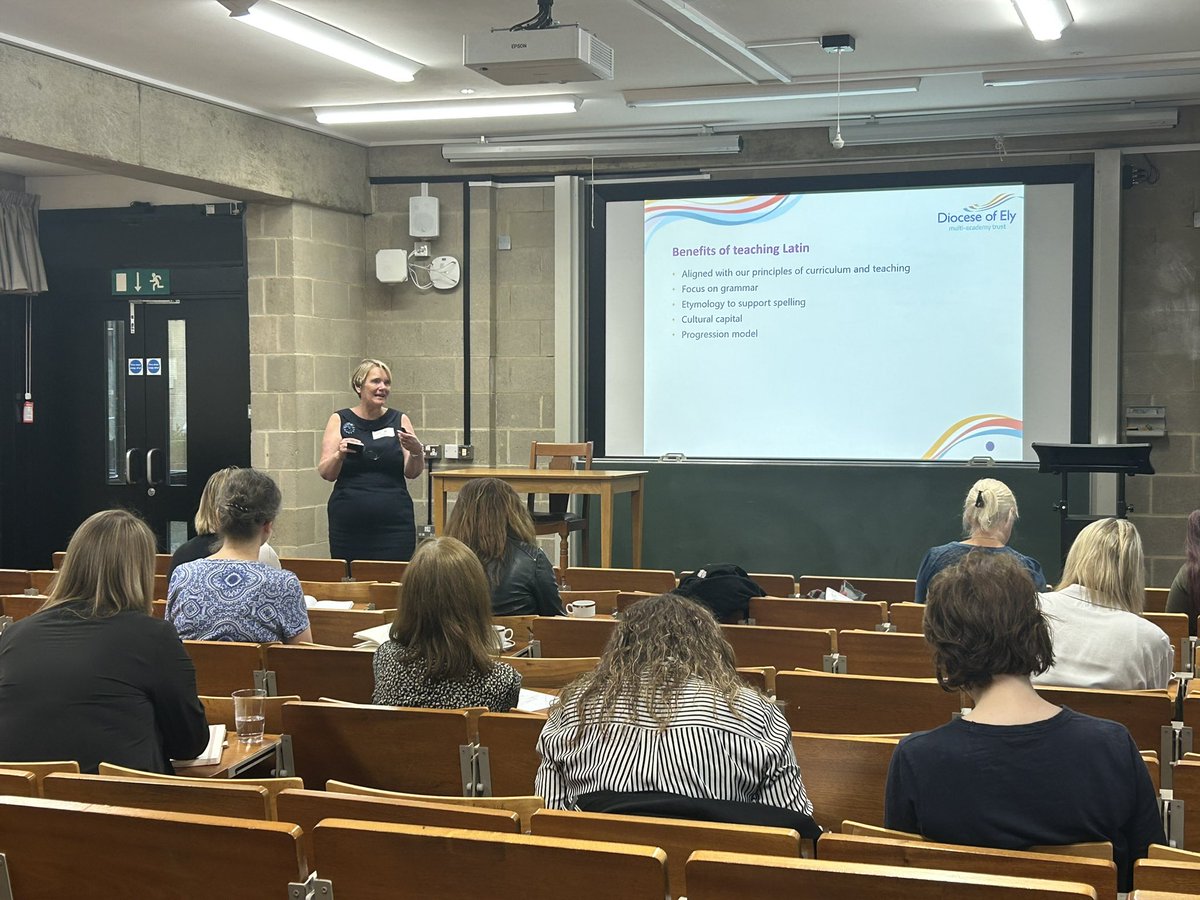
point(374, 636)
point(212, 753)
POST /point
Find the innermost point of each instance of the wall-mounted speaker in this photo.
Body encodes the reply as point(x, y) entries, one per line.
point(423, 217)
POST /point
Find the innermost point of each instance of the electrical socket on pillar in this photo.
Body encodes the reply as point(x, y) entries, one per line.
point(424, 532)
point(421, 250)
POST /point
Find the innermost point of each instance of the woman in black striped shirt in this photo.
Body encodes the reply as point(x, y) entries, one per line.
point(667, 711)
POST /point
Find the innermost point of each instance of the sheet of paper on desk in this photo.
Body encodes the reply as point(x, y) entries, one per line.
point(212, 753)
point(831, 594)
point(534, 701)
point(313, 603)
point(377, 635)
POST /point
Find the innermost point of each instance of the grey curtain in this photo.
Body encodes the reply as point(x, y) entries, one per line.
point(21, 267)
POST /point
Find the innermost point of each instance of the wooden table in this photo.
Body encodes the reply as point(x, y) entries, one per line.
point(606, 484)
point(235, 759)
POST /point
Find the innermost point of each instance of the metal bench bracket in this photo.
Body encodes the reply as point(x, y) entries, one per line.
point(286, 758)
point(482, 780)
point(834, 662)
point(264, 680)
point(5, 885)
point(312, 888)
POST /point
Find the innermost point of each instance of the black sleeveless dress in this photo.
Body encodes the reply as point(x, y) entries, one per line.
point(370, 510)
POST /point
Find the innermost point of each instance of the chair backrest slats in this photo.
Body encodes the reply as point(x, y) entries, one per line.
point(835, 614)
point(889, 654)
point(198, 796)
point(337, 627)
point(511, 740)
point(863, 704)
point(650, 581)
point(783, 648)
point(314, 569)
point(223, 667)
point(315, 672)
point(844, 776)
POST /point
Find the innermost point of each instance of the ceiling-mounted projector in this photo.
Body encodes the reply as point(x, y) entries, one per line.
point(556, 55)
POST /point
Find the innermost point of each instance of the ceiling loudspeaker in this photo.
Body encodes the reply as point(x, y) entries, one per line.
point(423, 217)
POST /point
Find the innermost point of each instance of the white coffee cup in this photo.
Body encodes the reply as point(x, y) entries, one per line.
point(504, 635)
point(582, 609)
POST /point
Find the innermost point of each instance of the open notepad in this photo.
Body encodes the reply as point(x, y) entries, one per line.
point(374, 636)
point(534, 701)
point(212, 752)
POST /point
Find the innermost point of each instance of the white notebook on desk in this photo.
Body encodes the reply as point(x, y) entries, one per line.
point(374, 636)
point(212, 752)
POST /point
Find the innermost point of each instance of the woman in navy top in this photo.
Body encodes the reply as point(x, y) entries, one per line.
point(368, 452)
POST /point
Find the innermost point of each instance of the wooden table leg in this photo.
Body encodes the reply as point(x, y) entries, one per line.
point(635, 500)
point(606, 526)
point(439, 507)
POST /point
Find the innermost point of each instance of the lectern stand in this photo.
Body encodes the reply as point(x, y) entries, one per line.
point(1063, 459)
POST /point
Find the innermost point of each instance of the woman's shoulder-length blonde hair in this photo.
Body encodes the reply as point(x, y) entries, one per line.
point(486, 514)
point(659, 645)
point(208, 517)
point(109, 563)
point(445, 617)
point(1107, 559)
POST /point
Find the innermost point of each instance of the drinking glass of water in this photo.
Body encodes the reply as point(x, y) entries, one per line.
point(249, 715)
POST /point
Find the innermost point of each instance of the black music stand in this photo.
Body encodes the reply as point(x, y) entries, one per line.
point(1063, 459)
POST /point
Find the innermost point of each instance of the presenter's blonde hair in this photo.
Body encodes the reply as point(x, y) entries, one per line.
point(989, 508)
point(359, 378)
point(1107, 559)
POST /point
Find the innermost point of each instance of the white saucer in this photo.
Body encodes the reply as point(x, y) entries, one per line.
point(508, 645)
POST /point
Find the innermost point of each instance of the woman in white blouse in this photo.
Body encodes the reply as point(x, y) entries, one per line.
point(1100, 639)
point(666, 711)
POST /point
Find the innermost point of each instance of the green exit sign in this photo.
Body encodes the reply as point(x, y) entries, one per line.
point(141, 282)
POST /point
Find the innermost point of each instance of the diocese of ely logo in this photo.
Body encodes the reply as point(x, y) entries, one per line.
point(998, 200)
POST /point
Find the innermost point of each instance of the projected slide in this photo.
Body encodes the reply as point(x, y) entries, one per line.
point(881, 324)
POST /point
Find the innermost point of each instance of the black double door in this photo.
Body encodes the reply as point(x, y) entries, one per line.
point(137, 400)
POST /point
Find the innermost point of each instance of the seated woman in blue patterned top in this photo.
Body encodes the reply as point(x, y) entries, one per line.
point(442, 645)
point(231, 596)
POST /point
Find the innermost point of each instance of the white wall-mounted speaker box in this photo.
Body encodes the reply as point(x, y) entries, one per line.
point(391, 266)
point(423, 217)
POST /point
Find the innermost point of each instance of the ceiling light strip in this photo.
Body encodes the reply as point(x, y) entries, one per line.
point(324, 38)
point(720, 93)
point(510, 107)
point(1068, 74)
point(1045, 19)
point(701, 145)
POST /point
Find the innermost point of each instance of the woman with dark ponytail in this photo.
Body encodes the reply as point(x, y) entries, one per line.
point(1184, 596)
point(231, 596)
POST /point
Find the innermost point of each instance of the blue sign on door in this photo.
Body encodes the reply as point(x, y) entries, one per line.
point(135, 366)
point(153, 365)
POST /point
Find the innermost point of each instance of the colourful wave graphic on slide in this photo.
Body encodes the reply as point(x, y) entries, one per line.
point(998, 200)
point(972, 427)
point(724, 211)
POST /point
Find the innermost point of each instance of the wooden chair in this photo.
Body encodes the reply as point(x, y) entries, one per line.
point(1100, 875)
point(56, 559)
point(273, 785)
point(1176, 627)
point(563, 636)
point(886, 653)
point(356, 591)
point(889, 590)
point(844, 776)
point(1168, 875)
point(523, 807)
point(20, 606)
point(18, 783)
point(863, 704)
point(908, 618)
point(223, 667)
point(158, 609)
point(1160, 851)
point(425, 751)
point(713, 875)
point(606, 601)
point(650, 581)
point(162, 586)
point(1144, 713)
point(199, 796)
point(507, 753)
point(1101, 850)
point(310, 569)
point(219, 711)
point(1150, 758)
point(551, 672)
point(42, 579)
point(775, 585)
point(626, 599)
point(123, 852)
point(337, 627)
point(834, 614)
point(1156, 599)
point(1185, 805)
point(307, 808)
point(762, 678)
point(316, 672)
point(407, 862)
point(40, 770)
point(783, 648)
point(522, 626)
point(385, 594)
point(559, 519)
point(162, 563)
point(14, 581)
point(678, 838)
point(377, 570)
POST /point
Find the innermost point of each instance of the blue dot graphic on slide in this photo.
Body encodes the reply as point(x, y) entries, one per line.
point(990, 445)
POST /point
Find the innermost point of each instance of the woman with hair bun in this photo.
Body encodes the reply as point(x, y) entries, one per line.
point(369, 451)
point(1184, 596)
point(989, 514)
point(206, 542)
point(1015, 771)
point(231, 596)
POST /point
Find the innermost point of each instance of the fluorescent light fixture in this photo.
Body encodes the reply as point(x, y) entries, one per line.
point(1045, 19)
point(738, 93)
point(450, 109)
point(914, 129)
point(322, 37)
point(1067, 74)
point(596, 148)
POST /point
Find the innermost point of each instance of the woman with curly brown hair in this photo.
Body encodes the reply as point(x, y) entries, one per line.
point(1015, 771)
point(666, 711)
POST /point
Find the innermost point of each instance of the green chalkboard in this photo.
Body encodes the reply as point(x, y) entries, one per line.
point(806, 519)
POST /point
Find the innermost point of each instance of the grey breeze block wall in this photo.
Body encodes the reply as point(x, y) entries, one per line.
point(1160, 256)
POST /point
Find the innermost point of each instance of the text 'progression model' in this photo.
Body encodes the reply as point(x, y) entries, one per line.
point(749, 299)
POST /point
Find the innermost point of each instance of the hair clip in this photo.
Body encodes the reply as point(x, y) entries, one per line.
point(979, 499)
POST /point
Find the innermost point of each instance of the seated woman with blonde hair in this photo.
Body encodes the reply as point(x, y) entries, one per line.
point(441, 648)
point(207, 522)
point(1100, 638)
point(666, 712)
point(1015, 771)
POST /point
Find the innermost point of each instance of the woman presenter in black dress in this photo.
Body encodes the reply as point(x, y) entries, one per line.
point(369, 451)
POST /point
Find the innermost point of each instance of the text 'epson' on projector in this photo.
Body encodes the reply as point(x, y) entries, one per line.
point(542, 56)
